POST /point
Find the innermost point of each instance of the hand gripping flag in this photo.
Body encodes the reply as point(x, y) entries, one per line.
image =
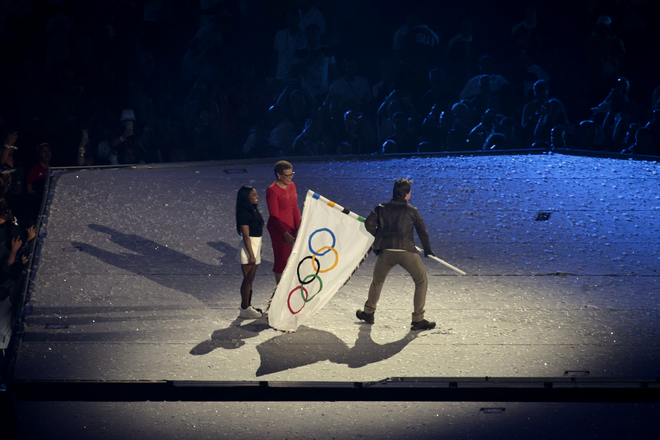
point(331, 244)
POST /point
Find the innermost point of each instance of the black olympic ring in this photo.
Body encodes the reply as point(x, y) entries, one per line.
point(300, 280)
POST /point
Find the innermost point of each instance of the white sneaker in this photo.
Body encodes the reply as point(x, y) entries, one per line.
point(249, 313)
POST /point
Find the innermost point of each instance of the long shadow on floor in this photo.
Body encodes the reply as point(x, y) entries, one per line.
point(305, 347)
point(158, 262)
point(231, 337)
point(308, 346)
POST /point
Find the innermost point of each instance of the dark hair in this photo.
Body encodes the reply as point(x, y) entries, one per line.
point(281, 166)
point(243, 202)
point(401, 188)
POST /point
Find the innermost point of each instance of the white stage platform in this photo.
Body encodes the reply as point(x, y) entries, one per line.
point(137, 281)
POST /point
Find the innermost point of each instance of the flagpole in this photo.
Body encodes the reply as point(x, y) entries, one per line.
point(443, 262)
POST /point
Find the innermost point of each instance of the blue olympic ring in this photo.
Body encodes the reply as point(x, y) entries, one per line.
point(328, 250)
point(314, 276)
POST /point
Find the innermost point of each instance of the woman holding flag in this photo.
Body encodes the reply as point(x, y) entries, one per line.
point(284, 219)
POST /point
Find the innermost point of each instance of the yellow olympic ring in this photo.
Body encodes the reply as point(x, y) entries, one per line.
point(331, 267)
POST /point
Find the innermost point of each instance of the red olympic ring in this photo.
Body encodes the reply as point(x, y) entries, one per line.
point(288, 301)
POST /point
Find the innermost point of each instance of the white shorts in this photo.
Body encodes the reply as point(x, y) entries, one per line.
point(243, 256)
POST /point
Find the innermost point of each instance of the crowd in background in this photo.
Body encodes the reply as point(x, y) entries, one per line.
point(147, 81)
point(144, 81)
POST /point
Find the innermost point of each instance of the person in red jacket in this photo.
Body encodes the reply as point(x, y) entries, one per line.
point(37, 174)
point(284, 219)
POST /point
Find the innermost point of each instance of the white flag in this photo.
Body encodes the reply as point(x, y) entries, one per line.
point(331, 244)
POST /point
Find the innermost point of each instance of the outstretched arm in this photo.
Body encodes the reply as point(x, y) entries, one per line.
point(423, 234)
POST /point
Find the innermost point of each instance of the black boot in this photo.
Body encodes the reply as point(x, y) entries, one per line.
point(364, 316)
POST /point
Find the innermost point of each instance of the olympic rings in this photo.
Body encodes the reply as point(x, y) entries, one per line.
point(331, 267)
point(302, 283)
point(317, 292)
point(316, 265)
point(334, 240)
point(288, 302)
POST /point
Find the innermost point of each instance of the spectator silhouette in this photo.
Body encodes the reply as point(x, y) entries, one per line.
point(643, 143)
point(419, 52)
point(248, 101)
point(438, 94)
point(456, 141)
point(385, 121)
point(605, 53)
point(431, 129)
point(654, 126)
point(551, 115)
point(485, 99)
point(589, 136)
point(629, 140)
point(655, 98)
point(351, 92)
point(538, 112)
point(531, 72)
point(309, 142)
point(283, 134)
point(412, 21)
point(314, 64)
point(485, 128)
point(528, 35)
point(404, 137)
point(498, 84)
point(12, 166)
point(298, 103)
point(309, 15)
point(287, 42)
point(36, 179)
point(508, 129)
point(461, 120)
point(387, 84)
point(558, 138)
point(461, 54)
point(495, 141)
point(621, 111)
point(204, 54)
point(354, 140)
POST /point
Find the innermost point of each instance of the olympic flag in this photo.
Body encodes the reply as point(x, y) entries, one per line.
point(331, 244)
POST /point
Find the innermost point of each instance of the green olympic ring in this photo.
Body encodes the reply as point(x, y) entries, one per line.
point(313, 275)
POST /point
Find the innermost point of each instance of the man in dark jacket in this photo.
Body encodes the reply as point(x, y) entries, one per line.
point(392, 224)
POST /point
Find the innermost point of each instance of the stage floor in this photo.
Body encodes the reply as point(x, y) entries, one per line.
point(137, 281)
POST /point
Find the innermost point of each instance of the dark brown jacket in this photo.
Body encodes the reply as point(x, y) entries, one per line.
point(392, 224)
